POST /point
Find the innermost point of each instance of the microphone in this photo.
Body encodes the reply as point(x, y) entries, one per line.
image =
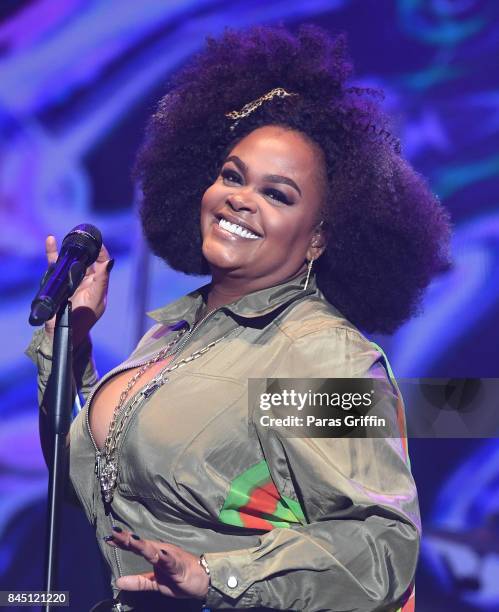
point(79, 249)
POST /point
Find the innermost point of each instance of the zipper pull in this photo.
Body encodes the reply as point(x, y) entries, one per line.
point(148, 391)
point(98, 467)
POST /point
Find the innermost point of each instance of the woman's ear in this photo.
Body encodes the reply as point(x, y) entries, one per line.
point(317, 243)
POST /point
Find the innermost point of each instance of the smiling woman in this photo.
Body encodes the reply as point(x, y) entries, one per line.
point(271, 185)
point(312, 227)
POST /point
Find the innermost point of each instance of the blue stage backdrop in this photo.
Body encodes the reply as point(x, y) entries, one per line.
point(78, 79)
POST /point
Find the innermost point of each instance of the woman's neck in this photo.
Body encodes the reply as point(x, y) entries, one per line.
point(219, 295)
point(224, 290)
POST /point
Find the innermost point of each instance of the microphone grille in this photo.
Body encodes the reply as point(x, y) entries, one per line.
point(87, 237)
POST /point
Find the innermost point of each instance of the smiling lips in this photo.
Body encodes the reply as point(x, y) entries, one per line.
point(236, 229)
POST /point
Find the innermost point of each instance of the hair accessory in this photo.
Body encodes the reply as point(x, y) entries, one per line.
point(248, 108)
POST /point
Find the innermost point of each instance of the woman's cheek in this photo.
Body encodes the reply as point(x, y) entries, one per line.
point(211, 197)
point(206, 210)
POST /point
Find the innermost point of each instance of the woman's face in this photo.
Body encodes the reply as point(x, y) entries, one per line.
point(259, 219)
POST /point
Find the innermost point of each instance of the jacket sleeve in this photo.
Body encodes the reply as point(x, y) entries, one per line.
point(85, 374)
point(84, 370)
point(84, 378)
point(358, 542)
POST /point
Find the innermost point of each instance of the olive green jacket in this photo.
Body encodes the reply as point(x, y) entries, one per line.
point(285, 523)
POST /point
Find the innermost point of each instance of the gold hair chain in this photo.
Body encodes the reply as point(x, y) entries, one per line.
point(248, 108)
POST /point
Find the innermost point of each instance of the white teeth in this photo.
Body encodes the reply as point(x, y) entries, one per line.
point(237, 229)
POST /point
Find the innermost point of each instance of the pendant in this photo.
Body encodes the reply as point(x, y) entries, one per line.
point(108, 477)
point(97, 468)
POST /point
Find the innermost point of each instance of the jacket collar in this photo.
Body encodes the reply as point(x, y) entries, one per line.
point(256, 304)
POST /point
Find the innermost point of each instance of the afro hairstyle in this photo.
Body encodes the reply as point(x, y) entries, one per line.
point(387, 234)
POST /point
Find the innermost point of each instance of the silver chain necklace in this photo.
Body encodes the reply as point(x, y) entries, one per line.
point(107, 460)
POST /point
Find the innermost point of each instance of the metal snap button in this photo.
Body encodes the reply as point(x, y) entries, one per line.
point(232, 582)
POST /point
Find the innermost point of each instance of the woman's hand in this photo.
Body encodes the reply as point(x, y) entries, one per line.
point(89, 300)
point(174, 573)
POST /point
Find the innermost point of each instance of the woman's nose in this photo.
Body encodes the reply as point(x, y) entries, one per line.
point(242, 201)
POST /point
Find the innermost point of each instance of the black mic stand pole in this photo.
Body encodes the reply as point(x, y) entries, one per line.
point(59, 419)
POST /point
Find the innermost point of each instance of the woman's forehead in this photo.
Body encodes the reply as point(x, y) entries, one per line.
point(276, 146)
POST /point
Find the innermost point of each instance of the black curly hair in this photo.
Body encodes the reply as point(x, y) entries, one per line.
point(388, 235)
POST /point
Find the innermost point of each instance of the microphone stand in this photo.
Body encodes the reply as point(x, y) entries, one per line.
point(59, 419)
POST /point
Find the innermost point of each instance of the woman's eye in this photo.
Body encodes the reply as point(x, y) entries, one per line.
point(231, 176)
point(275, 194)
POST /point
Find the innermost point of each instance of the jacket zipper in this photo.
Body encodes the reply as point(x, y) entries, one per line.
point(130, 366)
point(145, 392)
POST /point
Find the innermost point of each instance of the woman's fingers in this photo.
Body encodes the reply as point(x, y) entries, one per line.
point(89, 299)
point(99, 267)
point(138, 582)
point(161, 579)
point(103, 255)
point(131, 541)
point(143, 547)
point(52, 254)
point(101, 264)
point(156, 553)
point(176, 572)
point(51, 249)
point(143, 582)
point(102, 267)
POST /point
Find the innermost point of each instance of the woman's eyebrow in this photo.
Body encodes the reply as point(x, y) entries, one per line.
point(273, 178)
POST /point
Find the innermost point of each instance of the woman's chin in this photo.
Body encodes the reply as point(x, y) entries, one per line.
point(223, 259)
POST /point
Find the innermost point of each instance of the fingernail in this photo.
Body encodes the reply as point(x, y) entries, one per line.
point(108, 538)
point(135, 536)
point(117, 529)
point(163, 551)
point(110, 265)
